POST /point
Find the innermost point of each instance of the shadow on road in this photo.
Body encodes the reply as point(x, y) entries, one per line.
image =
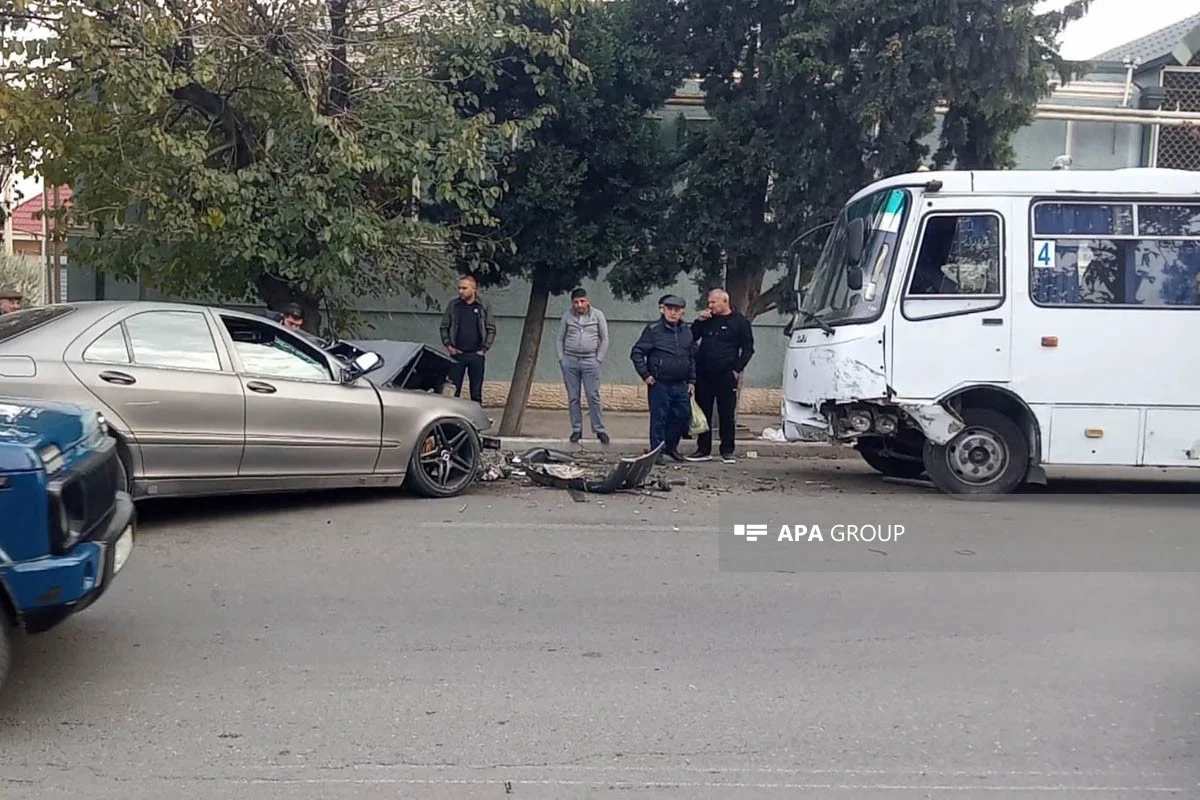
point(214, 508)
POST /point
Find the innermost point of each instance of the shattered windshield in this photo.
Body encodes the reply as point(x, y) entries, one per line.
point(829, 297)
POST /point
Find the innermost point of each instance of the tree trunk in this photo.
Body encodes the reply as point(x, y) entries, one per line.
point(531, 341)
point(745, 289)
point(277, 294)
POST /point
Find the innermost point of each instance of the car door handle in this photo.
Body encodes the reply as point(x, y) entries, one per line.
point(260, 387)
point(117, 377)
point(993, 321)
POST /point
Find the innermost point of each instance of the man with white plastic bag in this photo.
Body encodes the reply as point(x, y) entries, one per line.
point(665, 359)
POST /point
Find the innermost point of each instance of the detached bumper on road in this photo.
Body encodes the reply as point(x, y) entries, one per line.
point(49, 590)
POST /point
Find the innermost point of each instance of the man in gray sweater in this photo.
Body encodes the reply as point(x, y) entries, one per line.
point(582, 347)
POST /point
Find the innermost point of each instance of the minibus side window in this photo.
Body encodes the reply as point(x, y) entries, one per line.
point(959, 255)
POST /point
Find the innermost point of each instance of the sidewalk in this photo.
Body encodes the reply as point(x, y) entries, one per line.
point(631, 431)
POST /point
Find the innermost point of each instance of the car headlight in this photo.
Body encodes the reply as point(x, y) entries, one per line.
point(52, 458)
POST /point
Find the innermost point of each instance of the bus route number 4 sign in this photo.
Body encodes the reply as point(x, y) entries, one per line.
point(1043, 255)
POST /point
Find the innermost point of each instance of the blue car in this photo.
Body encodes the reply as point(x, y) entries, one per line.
point(66, 521)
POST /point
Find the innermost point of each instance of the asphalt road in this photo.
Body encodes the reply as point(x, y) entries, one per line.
point(516, 643)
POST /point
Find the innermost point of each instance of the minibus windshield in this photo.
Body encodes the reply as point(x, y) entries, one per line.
point(829, 298)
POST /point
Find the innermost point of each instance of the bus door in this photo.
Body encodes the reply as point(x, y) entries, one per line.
point(953, 324)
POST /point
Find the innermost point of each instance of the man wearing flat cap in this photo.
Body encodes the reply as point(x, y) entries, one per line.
point(665, 359)
point(10, 300)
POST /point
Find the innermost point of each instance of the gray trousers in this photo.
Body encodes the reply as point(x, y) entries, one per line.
point(585, 371)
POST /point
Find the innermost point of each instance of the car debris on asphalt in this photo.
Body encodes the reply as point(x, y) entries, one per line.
point(581, 473)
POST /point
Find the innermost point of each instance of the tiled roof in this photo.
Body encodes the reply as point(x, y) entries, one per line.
point(1153, 45)
point(27, 217)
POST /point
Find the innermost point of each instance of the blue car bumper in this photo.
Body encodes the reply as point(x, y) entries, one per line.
point(49, 590)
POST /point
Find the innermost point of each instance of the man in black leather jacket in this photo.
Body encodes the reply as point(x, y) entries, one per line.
point(665, 359)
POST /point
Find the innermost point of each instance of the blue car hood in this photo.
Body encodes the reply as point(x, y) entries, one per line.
point(26, 426)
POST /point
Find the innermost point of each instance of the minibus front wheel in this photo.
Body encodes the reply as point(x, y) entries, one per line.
point(988, 458)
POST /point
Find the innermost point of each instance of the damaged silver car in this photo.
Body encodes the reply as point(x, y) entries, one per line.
point(211, 401)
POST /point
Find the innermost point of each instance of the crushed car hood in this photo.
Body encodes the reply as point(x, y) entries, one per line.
point(406, 365)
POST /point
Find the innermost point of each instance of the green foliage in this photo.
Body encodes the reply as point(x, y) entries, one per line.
point(23, 274)
point(280, 148)
point(1005, 56)
point(810, 102)
point(585, 189)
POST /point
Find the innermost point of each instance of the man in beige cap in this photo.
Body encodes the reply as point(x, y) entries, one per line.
point(10, 300)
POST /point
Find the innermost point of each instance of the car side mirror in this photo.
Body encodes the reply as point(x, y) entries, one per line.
point(364, 364)
point(856, 237)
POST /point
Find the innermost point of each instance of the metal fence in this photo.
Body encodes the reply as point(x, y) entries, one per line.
point(1178, 146)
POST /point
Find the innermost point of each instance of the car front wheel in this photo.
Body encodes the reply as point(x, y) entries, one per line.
point(446, 458)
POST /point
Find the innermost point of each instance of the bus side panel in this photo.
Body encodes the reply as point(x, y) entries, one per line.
point(1172, 437)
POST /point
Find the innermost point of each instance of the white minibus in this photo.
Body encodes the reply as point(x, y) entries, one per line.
point(976, 327)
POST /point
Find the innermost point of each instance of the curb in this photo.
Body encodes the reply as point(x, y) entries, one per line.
point(744, 446)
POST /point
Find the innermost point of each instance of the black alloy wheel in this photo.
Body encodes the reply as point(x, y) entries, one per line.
point(446, 459)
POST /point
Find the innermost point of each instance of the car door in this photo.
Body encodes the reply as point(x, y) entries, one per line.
point(953, 324)
point(300, 418)
point(170, 381)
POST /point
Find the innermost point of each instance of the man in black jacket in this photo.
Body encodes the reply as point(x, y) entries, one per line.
point(725, 345)
point(468, 332)
point(665, 358)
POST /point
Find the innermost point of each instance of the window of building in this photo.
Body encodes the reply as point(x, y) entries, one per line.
point(1149, 256)
point(960, 255)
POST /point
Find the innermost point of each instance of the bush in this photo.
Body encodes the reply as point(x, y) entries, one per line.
point(23, 274)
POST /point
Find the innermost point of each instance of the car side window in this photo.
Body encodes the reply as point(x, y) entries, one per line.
point(109, 348)
point(268, 351)
point(960, 255)
point(175, 339)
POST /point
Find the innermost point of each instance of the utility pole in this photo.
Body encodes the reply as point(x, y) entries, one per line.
point(47, 272)
point(7, 177)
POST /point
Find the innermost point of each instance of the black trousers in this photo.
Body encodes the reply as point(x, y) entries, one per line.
point(719, 389)
point(468, 365)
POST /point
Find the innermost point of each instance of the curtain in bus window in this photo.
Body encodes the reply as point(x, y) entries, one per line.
point(1169, 220)
point(1085, 272)
point(1082, 219)
point(1164, 272)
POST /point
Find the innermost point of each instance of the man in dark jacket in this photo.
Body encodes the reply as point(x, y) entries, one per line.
point(725, 344)
point(468, 332)
point(665, 358)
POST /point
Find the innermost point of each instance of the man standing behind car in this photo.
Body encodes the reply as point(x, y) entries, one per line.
point(468, 332)
point(725, 342)
point(582, 348)
point(664, 357)
point(10, 301)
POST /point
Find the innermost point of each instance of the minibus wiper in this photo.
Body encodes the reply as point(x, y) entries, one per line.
point(822, 324)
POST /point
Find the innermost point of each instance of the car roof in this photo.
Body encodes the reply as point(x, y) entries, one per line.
point(47, 339)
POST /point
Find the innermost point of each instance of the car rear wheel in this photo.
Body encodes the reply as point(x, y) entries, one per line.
point(445, 460)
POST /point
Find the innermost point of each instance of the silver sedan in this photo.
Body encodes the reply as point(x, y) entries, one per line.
point(206, 401)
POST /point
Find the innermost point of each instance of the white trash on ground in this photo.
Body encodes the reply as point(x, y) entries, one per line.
point(773, 435)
